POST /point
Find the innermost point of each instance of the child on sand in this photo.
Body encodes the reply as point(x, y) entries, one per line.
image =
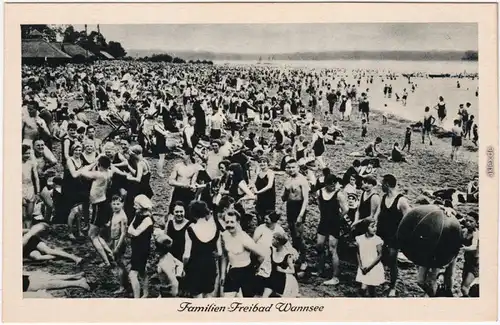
point(141, 231)
point(471, 252)
point(396, 154)
point(364, 129)
point(370, 269)
point(456, 140)
point(118, 233)
point(407, 139)
point(475, 135)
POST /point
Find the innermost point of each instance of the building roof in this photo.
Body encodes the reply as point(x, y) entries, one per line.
point(35, 33)
point(107, 55)
point(73, 50)
point(38, 48)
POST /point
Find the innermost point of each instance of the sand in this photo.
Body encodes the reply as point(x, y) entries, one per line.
point(429, 168)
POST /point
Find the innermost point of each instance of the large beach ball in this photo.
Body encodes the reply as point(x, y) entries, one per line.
point(428, 237)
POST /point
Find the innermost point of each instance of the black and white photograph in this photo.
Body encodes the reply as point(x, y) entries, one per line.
point(298, 160)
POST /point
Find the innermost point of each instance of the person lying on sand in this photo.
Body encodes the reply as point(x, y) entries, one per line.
point(36, 281)
point(452, 195)
point(35, 249)
point(371, 150)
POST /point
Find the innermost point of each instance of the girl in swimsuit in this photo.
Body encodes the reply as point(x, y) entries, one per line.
point(282, 281)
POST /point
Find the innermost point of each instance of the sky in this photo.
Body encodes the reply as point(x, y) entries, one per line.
point(288, 38)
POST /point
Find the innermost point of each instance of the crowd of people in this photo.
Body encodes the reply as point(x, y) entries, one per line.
point(232, 132)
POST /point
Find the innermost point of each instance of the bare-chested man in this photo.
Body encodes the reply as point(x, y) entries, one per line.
point(183, 181)
point(296, 196)
point(33, 126)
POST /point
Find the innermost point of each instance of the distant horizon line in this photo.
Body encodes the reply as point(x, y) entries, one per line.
point(296, 52)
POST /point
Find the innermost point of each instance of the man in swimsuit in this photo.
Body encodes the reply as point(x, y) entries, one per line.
point(238, 247)
point(389, 214)
point(296, 196)
point(369, 201)
point(333, 207)
point(101, 206)
point(429, 120)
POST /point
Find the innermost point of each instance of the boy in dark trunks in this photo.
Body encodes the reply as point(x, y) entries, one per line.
point(389, 214)
point(468, 127)
point(119, 224)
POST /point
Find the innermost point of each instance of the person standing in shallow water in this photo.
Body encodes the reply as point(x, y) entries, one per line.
point(441, 109)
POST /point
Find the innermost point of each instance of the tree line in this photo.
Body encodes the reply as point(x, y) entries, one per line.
point(167, 58)
point(93, 42)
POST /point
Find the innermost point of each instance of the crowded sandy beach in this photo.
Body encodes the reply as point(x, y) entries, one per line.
point(159, 180)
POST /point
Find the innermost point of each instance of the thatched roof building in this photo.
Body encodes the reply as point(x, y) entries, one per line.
point(106, 56)
point(78, 53)
point(39, 51)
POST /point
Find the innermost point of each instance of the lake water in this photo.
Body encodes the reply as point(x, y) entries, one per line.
point(426, 94)
point(380, 65)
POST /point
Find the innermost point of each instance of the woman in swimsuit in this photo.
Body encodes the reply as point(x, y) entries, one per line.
point(282, 281)
point(31, 185)
point(75, 190)
point(89, 154)
point(201, 252)
point(138, 179)
point(265, 190)
point(170, 244)
point(441, 109)
point(427, 125)
point(141, 231)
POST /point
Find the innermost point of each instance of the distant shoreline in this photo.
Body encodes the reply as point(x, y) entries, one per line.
point(471, 56)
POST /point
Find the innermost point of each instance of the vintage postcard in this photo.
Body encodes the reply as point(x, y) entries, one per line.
point(250, 162)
